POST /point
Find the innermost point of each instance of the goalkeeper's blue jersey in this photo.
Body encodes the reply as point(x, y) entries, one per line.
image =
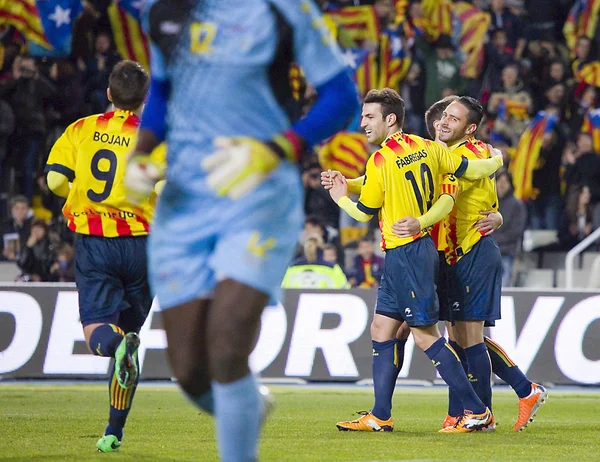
point(228, 74)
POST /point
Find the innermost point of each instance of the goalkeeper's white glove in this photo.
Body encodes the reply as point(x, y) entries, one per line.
point(141, 177)
point(241, 164)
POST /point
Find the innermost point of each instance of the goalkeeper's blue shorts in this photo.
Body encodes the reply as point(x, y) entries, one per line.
point(198, 239)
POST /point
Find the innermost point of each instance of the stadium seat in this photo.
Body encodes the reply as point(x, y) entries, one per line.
point(9, 271)
point(555, 260)
point(588, 259)
point(580, 279)
point(534, 238)
point(539, 278)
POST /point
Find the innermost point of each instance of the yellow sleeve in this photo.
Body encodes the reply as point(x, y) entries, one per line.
point(62, 157)
point(439, 210)
point(58, 183)
point(481, 168)
point(355, 185)
point(449, 163)
point(372, 190)
point(351, 208)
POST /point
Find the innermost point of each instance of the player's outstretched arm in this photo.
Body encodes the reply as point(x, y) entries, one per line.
point(354, 184)
point(477, 169)
point(339, 193)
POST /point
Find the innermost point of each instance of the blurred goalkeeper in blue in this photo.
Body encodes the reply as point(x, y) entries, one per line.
point(227, 223)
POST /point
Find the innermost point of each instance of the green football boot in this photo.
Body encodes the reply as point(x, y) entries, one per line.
point(108, 443)
point(126, 365)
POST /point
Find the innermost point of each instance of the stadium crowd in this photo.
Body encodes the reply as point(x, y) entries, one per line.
point(530, 73)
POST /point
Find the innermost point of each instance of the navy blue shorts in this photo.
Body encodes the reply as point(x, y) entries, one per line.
point(475, 283)
point(112, 279)
point(442, 289)
point(407, 290)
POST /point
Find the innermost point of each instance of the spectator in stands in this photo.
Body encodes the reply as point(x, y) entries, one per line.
point(330, 254)
point(582, 166)
point(442, 70)
point(316, 200)
point(64, 268)
point(314, 224)
point(503, 18)
point(583, 99)
point(68, 105)
point(96, 71)
point(545, 210)
point(509, 235)
point(7, 128)
point(412, 92)
point(15, 230)
point(576, 224)
point(29, 94)
point(367, 268)
point(511, 105)
point(311, 271)
point(36, 258)
point(498, 55)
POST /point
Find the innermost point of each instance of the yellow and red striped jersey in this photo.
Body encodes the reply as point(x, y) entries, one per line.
point(92, 154)
point(473, 197)
point(447, 184)
point(400, 181)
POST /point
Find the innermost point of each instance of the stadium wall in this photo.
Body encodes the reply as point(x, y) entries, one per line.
point(554, 336)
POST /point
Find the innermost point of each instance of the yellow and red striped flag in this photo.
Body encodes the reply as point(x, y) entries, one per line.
point(527, 153)
point(25, 17)
point(346, 152)
point(474, 25)
point(130, 39)
point(591, 125)
point(359, 22)
point(581, 21)
point(589, 73)
point(437, 18)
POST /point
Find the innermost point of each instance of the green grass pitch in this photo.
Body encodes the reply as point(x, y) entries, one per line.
point(63, 422)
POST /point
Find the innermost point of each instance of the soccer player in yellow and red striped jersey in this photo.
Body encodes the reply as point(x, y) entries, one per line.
point(399, 181)
point(474, 269)
point(110, 242)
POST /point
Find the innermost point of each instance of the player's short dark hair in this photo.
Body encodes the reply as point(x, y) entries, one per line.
point(435, 113)
point(475, 114)
point(128, 84)
point(391, 103)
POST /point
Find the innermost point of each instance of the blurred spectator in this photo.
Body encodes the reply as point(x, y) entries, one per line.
point(442, 76)
point(412, 92)
point(576, 223)
point(583, 166)
point(316, 199)
point(311, 271)
point(545, 210)
point(28, 94)
point(314, 224)
point(509, 235)
point(96, 70)
point(498, 55)
point(7, 128)
point(15, 230)
point(68, 104)
point(64, 268)
point(36, 258)
point(367, 268)
point(511, 105)
point(584, 99)
point(330, 254)
point(503, 18)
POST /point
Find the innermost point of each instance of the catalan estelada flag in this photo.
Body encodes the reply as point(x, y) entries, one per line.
point(130, 39)
point(359, 22)
point(346, 152)
point(394, 61)
point(363, 68)
point(581, 21)
point(589, 73)
point(527, 153)
point(591, 125)
point(474, 25)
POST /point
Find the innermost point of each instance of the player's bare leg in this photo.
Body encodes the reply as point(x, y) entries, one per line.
point(186, 327)
point(233, 324)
